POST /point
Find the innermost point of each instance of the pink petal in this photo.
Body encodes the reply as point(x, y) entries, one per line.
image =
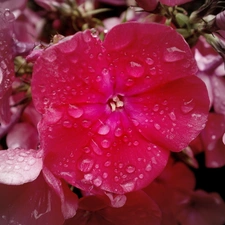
point(172, 113)
point(6, 64)
point(212, 141)
point(69, 201)
point(201, 208)
point(218, 87)
point(22, 135)
point(31, 203)
point(19, 166)
point(150, 55)
point(139, 209)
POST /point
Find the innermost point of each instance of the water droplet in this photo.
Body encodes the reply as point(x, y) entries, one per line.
point(85, 164)
point(135, 69)
point(157, 126)
point(173, 54)
point(75, 112)
point(104, 129)
point(105, 143)
point(105, 72)
point(20, 159)
point(172, 116)
point(187, 106)
point(107, 163)
point(105, 175)
point(135, 143)
point(129, 82)
point(130, 169)
point(128, 186)
point(118, 132)
point(67, 124)
point(26, 168)
point(213, 137)
point(86, 123)
point(31, 161)
point(156, 108)
point(154, 160)
point(141, 176)
point(88, 177)
point(96, 148)
point(149, 61)
point(97, 182)
point(9, 16)
point(148, 167)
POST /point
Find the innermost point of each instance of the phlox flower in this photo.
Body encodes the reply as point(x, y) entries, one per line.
point(175, 178)
point(29, 192)
point(200, 208)
point(113, 109)
point(97, 210)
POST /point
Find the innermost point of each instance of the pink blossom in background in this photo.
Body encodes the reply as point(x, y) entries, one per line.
point(6, 63)
point(96, 210)
point(28, 189)
point(175, 178)
point(117, 107)
point(200, 208)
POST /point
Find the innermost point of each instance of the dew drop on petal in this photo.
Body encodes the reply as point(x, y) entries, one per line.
point(97, 182)
point(105, 175)
point(20, 159)
point(85, 165)
point(9, 16)
point(148, 167)
point(31, 161)
point(173, 54)
point(135, 69)
point(128, 186)
point(157, 126)
point(172, 116)
point(149, 61)
point(105, 143)
point(130, 169)
point(67, 124)
point(187, 106)
point(75, 112)
point(104, 129)
point(88, 177)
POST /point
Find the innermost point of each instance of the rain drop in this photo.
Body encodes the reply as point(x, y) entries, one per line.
point(20, 159)
point(104, 129)
point(187, 106)
point(130, 169)
point(105, 175)
point(31, 161)
point(97, 182)
point(105, 143)
point(118, 132)
point(75, 112)
point(135, 69)
point(107, 164)
point(149, 61)
point(128, 187)
point(9, 16)
point(88, 177)
point(156, 108)
point(148, 167)
point(85, 165)
point(157, 126)
point(173, 54)
point(67, 124)
point(172, 116)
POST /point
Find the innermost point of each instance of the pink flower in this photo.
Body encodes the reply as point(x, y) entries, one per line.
point(150, 5)
point(212, 140)
point(113, 110)
point(29, 193)
point(201, 208)
point(96, 210)
point(175, 178)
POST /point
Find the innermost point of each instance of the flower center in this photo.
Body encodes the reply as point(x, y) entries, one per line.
point(116, 102)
